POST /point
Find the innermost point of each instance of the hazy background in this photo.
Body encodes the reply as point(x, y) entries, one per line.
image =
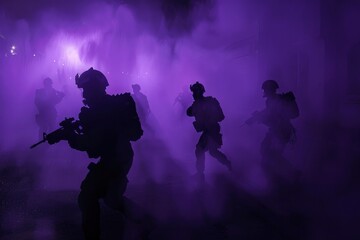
point(310, 47)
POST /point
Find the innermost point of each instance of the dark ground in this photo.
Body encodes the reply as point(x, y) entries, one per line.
point(295, 213)
point(317, 204)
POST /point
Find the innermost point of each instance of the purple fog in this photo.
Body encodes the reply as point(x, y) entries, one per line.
point(311, 48)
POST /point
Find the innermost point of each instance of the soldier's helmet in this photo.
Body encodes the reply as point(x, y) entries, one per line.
point(197, 88)
point(270, 85)
point(48, 81)
point(91, 78)
point(136, 87)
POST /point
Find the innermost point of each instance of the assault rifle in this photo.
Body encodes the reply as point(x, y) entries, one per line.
point(67, 125)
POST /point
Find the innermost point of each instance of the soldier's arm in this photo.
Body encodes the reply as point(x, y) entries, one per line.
point(78, 142)
point(220, 114)
point(81, 141)
point(258, 117)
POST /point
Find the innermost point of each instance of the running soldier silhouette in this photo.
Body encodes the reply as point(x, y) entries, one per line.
point(280, 109)
point(208, 114)
point(107, 124)
point(46, 99)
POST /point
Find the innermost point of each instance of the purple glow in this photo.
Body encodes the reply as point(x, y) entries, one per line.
point(309, 47)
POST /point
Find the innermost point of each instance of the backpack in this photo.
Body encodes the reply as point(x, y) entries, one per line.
point(289, 105)
point(215, 113)
point(129, 118)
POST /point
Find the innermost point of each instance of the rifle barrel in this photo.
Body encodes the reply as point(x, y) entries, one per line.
point(38, 143)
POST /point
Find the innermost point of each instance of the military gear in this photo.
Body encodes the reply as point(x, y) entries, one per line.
point(290, 107)
point(208, 114)
point(270, 85)
point(280, 109)
point(107, 125)
point(91, 77)
point(67, 127)
point(197, 87)
point(114, 121)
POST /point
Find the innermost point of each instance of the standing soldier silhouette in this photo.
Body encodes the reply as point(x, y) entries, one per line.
point(183, 99)
point(46, 99)
point(208, 114)
point(277, 115)
point(142, 106)
point(107, 125)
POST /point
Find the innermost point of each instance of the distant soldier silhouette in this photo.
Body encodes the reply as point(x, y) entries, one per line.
point(142, 105)
point(108, 123)
point(183, 99)
point(208, 114)
point(46, 99)
point(279, 111)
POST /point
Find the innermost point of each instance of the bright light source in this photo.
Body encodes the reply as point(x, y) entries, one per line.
point(71, 55)
point(12, 50)
point(34, 55)
point(12, 47)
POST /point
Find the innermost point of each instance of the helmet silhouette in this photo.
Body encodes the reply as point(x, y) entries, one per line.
point(197, 87)
point(91, 77)
point(270, 85)
point(136, 87)
point(48, 81)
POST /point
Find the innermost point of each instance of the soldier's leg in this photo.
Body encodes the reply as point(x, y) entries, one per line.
point(221, 157)
point(214, 144)
point(88, 201)
point(51, 124)
point(136, 214)
point(266, 149)
point(90, 211)
point(273, 160)
point(200, 154)
point(114, 193)
point(140, 223)
point(41, 122)
point(200, 160)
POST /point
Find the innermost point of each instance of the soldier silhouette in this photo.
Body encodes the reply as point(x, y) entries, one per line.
point(108, 123)
point(208, 114)
point(277, 115)
point(142, 106)
point(183, 99)
point(46, 99)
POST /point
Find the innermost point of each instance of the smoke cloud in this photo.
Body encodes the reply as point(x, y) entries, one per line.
point(164, 46)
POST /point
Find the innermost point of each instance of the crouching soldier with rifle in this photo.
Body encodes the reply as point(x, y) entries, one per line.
point(106, 125)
